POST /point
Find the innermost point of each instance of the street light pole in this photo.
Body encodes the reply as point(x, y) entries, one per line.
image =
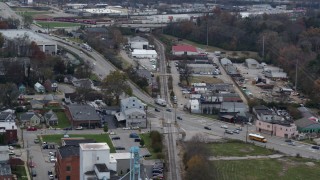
point(247, 134)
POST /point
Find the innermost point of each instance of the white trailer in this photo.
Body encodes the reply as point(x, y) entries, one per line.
point(160, 102)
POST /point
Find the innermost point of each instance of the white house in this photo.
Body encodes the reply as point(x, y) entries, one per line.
point(138, 42)
point(133, 112)
point(39, 88)
point(143, 53)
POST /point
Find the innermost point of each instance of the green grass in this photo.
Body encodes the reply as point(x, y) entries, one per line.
point(284, 169)
point(237, 148)
point(147, 144)
point(56, 24)
point(56, 138)
point(62, 120)
point(20, 171)
point(32, 13)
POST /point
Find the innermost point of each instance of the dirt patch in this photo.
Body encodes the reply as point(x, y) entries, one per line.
point(310, 164)
point(246, 149)
point(286, 164)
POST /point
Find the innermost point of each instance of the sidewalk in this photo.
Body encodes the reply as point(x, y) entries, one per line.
point(273, 156)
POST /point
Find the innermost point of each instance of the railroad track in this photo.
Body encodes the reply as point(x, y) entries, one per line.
point(164, 91)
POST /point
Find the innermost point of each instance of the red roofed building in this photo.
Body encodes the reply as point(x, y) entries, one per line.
point(184, 50)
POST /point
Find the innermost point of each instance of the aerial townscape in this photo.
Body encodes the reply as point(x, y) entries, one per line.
point(160, 90)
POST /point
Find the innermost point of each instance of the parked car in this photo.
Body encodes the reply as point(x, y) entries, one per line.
point(236, 131)
point(147, 155)
point(50, 173)
point(288, 140)
point(169, 110)
point(32, 164)
point(11, 148)
point(115, 138)
point(207, 128)
point(51, 176)
point(239, 128)
point(224, 126)
point(79, 128)
point(51, 153)
point(52, 159)
point(157, 110)
point(126, 128)
point(67, 128)
point(179, 118)
point(119, 148)
point(315, 147)
point(137, 140)
point(11, 153)
point(291, 143)
point(31, 128)
point(228, 131)
point(36, 141)
point(134, 135)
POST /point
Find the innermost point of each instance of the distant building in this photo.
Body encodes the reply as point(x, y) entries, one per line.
point(184, 50)
point(138, 42)
point(68, 162)
point(143, 53)
point(202, 68)
point(5, 172)
point(252, 63)
point(306, 125)
point(45, 45)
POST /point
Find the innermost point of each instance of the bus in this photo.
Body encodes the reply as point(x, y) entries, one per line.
point(257, 137)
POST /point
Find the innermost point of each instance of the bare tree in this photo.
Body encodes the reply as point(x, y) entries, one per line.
point(185, 73)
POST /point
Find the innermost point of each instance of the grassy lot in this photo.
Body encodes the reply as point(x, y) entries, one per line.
point(57, 24)
point(284, 169)
point(32, 13)
point(62, 120)
point(20, 171)
point(206, 79)
point(56, 138)
point(237, 148)
point(147, 144)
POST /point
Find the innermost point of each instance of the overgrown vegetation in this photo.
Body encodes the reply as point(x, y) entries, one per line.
point(153, 141)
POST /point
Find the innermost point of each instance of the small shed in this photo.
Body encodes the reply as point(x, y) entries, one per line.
point(39, 88)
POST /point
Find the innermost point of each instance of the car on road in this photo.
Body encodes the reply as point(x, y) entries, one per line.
point(126, 128)
point(52, 159)
point(315, 147)
point(288, 140)
point(115, 138)
point(79, 128)
point(228, 131)
point(67, 128)
point(32, 164)
point(157, 110)
point(11, 153)
point(147, 155)
point(179, 118)
point(51, 176)
point(31, 128)
point(137, 140)
point(119, 148)
point(169, 110)
point(236, 131)
point(291, 143)
point(207, 128)
point(11, 148)
point(224, 126)
point(134, 135)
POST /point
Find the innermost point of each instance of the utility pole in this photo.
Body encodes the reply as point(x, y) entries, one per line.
point(207, 34)
point(296, 80)
point(263, 47)
point(247, 134)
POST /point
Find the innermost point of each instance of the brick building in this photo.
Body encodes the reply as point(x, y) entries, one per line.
point(83, 115)
point(9, 131)
point(68, 163)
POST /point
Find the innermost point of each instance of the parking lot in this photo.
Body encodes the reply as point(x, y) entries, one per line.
point(127, 142)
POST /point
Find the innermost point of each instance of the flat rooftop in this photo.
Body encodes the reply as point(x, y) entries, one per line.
point(94, 146)
point(20, 33)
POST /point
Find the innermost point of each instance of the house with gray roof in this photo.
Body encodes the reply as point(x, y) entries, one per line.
point(51, 118)
point(83, 115)
point(132, 113)
point(6, 116)
point(5, 171)
point(30, 118)
point(238, 108)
